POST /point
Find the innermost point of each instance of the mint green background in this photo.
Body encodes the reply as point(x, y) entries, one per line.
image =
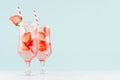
point(84, 33)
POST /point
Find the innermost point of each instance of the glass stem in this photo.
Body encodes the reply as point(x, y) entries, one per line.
point(28, 70)
point(43, 67)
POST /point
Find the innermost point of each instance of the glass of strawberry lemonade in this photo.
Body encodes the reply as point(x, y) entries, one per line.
point(27, 44)
point(27, 40)
point(44, 49)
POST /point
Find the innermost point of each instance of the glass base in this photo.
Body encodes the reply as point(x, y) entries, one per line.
point(27, 74)
point(43, 71)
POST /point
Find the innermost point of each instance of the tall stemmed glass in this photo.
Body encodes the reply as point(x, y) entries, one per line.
point(43, 46)
point(27, 44)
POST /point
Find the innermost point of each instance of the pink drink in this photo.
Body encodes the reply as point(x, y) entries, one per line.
point(27, 42)
point(43, 43)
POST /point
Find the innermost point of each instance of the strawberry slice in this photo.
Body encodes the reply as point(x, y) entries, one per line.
point(16, 19)
point(46, 30)
point(27, 42)
point(26, 38)
point(41, 35)
point(42, 46)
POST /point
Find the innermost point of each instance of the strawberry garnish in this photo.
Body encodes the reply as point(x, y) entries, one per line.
point(41, 35)
point(46, 30)
point(16, 19)
point(27, 42)
point(26, 37)
point(42, 46)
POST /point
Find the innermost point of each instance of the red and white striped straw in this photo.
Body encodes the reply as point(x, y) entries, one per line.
point(19, 11)
point(36, 18)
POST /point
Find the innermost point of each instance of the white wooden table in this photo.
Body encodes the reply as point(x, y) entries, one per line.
point(62, 75)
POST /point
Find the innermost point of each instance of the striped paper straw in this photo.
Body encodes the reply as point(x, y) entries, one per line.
point(19, 11)
point(36, 18)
